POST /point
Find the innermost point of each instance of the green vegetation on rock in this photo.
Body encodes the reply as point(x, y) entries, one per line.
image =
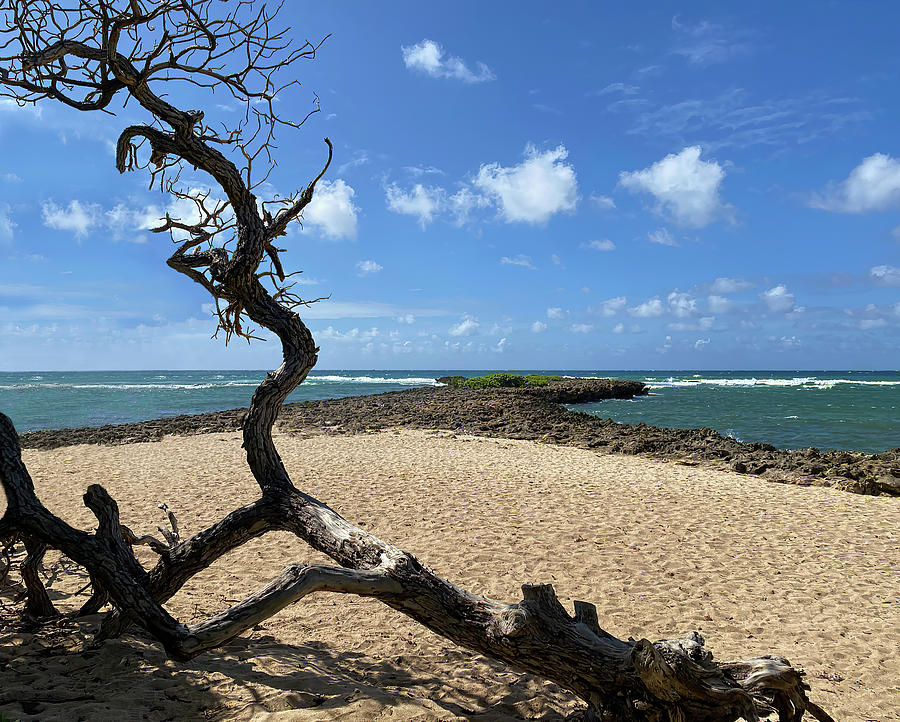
point(498, 380)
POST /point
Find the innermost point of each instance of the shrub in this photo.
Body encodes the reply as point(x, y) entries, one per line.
point(499, 380)
point(541, 379)
point(493, 381)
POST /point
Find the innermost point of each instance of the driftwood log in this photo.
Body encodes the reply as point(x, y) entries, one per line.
point(85, 57)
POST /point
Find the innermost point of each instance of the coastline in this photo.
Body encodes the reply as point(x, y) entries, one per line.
point(661, 548)
point(533, 414)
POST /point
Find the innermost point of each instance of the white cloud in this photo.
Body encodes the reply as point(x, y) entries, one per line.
point(730, 285)
point(700, 343)
point(332, 211)
point(885, 275)
point(359, 158)
point(662, 237)
point(622, 88)
point(500, 347)
point(619, 328)
point(366, 268)
point(648, 309)
point(702, 324)
point(705, 43)
point(354, 334)
point(557, 261)
point(466, 327)
point(422, 202)
point(719, 304)
point(867, 324)
point(533, 191)
point(582, 328)
point(6, 224)
point(604, 245)
point(518, 260)
point(682, 305)
point(778, 299)
point(428, 57)
point(556, 312)
point(611, 306)
point(874, 185)
point(11, 178)
point(538, 327)
point(407, 318)
point(603, 203)
point(463, 202)
point(684, 186)
point(77, 217)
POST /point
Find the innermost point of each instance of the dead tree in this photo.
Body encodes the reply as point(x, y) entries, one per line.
point(91, 54)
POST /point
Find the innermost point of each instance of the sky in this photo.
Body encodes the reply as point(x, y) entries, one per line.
point(580, 185)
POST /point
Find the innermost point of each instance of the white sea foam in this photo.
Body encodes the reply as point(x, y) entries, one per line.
point(127, 387)
point(805, 382)
point(414, 381)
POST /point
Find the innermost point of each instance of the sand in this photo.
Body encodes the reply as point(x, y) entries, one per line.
point(661, 548)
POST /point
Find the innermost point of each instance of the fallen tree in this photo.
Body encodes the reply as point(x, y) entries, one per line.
point(86, 56)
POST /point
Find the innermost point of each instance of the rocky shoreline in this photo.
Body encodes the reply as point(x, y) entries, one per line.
point(532, 414)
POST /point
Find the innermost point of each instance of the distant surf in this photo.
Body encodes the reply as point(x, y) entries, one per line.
point(857, 410)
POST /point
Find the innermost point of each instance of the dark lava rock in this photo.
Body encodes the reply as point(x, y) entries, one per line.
point(533, 414)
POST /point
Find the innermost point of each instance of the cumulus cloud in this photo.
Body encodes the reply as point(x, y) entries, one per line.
point(619, 328)
point(121, 222)
point(422, 201)
point(662, 237)
point(682, 305)
point(778, 299)
point(538, 327)
point(648, 309)
point(533, 191)
point(556, 312)
point(77, 217)
point(719, 304)
point(466, 327)
point(582, 328)
point(604, 245)
point(354, 334)
point(730, 285)
point(685, 187)
point(885, 275)
point(518, 260)
point(874, 185)
point(611, 306)
point(332, 212)
point(366, 268)
point(406, 318)
point(429, 57)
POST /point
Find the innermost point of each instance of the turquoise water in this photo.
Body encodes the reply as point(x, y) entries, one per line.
point(829, 410)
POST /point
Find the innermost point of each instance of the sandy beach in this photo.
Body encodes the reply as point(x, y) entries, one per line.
point(661, 548)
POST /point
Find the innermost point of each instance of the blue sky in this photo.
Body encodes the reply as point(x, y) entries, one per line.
point(585, 185)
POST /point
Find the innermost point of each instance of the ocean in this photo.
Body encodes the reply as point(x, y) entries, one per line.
point(857, 410)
